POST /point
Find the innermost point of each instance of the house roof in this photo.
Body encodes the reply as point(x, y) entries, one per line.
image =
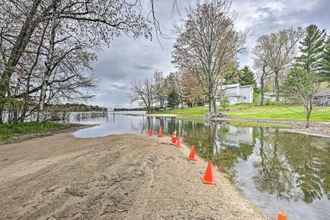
point(323, 93)
point(231, 86)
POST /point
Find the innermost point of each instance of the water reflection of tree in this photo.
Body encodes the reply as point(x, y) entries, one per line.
point(291, 167)
point(309, 159)
point(210, 140)
point(288, 165)
point(273, 174)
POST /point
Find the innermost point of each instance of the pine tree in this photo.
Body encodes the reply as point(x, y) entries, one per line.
point(326, 61)
point(173, 99)
point(246, 77)
point(312, 50)
point(303, 79)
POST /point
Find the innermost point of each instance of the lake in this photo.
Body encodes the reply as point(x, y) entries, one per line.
point(276, 170)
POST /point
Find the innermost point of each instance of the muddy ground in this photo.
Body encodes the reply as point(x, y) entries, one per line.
point(116, 177)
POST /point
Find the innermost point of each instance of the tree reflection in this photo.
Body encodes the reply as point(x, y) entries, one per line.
point(273, 173)
point(214, 142)
point(291, 167)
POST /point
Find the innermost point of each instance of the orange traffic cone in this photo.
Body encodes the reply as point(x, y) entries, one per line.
point(178, 143)
point(161, 132)
point(281, 216)
point(192, 153)
point(208, 177)
point(174, 138)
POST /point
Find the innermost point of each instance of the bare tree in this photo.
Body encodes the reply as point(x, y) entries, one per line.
point(279, 50)
point(160, 88)
point(144, 93)
point(207, 46)
point(262, 69)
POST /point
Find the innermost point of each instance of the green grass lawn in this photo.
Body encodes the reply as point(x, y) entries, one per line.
point(9, 131)
point(249, 111)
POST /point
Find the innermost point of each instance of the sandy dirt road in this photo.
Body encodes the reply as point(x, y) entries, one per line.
point(116, 177)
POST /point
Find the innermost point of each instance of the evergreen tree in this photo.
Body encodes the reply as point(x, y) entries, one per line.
point(326, 61)
point(173, 99)
point(303, 79)
point(246, 77)
point(312, 50)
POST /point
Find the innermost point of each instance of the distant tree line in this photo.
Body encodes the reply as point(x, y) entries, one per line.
point(73, 107)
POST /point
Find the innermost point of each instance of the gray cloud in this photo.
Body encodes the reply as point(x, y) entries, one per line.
point(136, 59)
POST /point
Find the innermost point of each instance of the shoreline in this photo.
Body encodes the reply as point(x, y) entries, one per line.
point(125, 176)
point(318, 129)
point(26, 137)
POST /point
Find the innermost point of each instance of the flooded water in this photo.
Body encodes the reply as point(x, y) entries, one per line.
point(275, 170)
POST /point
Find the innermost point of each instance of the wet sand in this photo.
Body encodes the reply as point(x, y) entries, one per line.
point(115, 177)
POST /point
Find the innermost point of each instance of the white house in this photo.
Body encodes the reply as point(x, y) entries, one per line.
point(322, 98)
point(237, 94)
point(237, 136)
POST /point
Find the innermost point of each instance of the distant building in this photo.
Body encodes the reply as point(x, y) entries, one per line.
point(322, 98)
point(237, 94)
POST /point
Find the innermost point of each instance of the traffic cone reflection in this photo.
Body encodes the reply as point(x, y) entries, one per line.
point(192, 153)
point(281, 216)
point(174, 137)
point(149, 132)
point(178, 143)
point(161, 132)
point(208, 176)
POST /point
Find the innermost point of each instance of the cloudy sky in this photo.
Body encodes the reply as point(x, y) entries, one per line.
point(129, 59)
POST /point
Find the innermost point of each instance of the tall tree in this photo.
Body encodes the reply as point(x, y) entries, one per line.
point(312, 50)
point(303, 80)
point(144, 94)
point(160, 88)
point(262, 69)
point(326, 61)
point(208, 45)
point(279, 50)
point(302, 84)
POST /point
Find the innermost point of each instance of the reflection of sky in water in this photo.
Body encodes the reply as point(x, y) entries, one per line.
point(112, 124)
point(269, 167)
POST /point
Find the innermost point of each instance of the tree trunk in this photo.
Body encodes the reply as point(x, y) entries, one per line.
point(212, 108)
point(1, 115)
point(18, 49)
point(308, 116)
point(262, 91)
point(277, 86)
point(214, 103)
point(210, 104)
point(308, 109)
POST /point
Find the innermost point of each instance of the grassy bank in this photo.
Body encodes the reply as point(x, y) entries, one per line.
point(12, 131)
point(249, 111)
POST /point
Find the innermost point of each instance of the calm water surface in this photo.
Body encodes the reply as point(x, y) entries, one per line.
point(275, 170)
